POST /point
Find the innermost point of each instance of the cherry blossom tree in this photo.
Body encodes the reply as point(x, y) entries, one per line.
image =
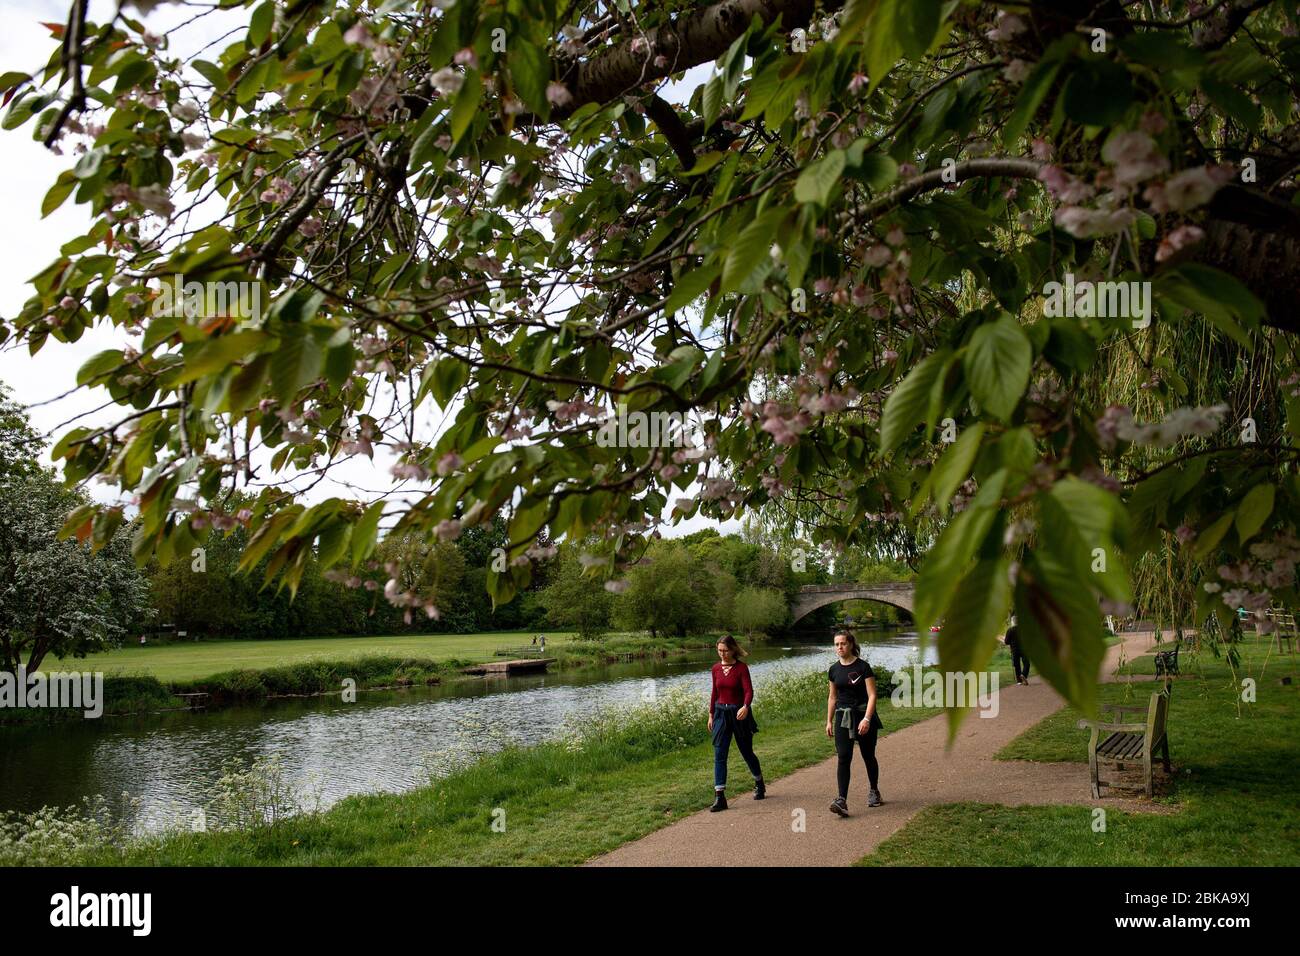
point(836, 255)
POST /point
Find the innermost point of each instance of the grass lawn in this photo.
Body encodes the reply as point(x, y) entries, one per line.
point(192, 660)
point(1234, 802)
point(563, 805)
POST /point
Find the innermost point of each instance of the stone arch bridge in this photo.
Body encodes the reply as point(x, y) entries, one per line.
point(812, 596)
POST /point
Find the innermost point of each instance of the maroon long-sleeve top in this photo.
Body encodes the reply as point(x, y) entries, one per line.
point(733, 688)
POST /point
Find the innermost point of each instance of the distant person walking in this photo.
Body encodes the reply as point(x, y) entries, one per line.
point(730, 716)
point(1018, 659)
point(851, 717)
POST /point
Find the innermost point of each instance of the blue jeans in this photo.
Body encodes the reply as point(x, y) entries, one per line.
point(726, 726)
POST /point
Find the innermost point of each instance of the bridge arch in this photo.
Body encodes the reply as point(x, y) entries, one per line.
point(814, 596)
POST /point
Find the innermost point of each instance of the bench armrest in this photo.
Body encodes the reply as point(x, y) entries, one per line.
point(1114, 728)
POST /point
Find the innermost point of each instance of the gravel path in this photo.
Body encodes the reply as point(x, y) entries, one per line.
point(916, 771)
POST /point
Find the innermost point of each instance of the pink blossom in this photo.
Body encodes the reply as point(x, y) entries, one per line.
point(1135, 157)
point(1183, 191)
point(558, 94)
point(1006, 27)
point(1064, 186)
point(1181, 237)
point(1017, 71)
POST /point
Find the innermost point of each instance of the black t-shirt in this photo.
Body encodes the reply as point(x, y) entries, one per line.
point(1013, 637)
point(851, 685)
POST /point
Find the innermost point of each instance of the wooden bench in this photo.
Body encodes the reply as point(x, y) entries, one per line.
point(1284, 631)
point(1129, 742)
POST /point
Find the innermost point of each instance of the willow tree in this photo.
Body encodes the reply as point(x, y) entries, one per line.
point(836, 258)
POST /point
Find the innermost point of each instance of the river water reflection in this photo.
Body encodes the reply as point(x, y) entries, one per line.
point(385, 741)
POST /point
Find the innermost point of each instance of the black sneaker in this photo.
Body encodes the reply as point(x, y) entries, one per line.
point(873, 798)
point(719, 801)
point(840, 806)
point(760, 789)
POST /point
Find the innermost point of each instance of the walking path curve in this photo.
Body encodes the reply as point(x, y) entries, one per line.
point(916, 771)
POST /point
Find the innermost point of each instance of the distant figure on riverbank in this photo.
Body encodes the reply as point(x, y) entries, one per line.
point(543, 643)
point(852, 715)
point(730, 716)
point(1018, 658)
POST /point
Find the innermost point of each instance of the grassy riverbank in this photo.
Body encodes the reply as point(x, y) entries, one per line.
point(141, 679)
point(193, 660)
point(624, 776)
point(1237, 773)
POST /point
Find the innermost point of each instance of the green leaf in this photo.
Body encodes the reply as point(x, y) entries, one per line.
point(530, 70)
point(98, 365)
point(882, 46)
point(259, 27)
point(297, 362)
point(58, 193)
point(816, 181)
point(465, 108)
point(88, 164)
point(364, 532)
point(1033, 91)
point(1219, 297)
point(424, 147)
point(712, 100)
point(1080, 519)
point(212, 73)
point(954, 465)
point(908, 402)
point(689, 286)
point(444, 379)
point(1209, 539)
point(997, 364)
point(219, 353)
point(977, 615)
point(704, 163)
point(1098, 93)
point(1059, 626)
point(1254, 510)
point(918, 24)
point(947, 562)
point(750, 257)
point(877, 171)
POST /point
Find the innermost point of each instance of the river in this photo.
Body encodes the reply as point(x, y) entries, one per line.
point(385, 741)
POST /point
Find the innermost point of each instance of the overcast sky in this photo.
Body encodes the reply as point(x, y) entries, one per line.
point(29, 243)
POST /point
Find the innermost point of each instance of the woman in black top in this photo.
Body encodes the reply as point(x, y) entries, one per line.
point(851, 715)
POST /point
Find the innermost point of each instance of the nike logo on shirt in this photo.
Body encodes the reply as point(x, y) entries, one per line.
point(855, 678)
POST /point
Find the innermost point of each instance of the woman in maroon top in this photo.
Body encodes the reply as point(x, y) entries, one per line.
point(730, 716)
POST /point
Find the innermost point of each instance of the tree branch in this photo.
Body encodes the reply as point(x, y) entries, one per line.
point(688, 41)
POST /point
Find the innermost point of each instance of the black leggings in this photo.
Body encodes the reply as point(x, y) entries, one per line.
point(1017, 656)
point(844, 748)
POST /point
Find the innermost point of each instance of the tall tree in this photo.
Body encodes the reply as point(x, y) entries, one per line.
point(57, 597)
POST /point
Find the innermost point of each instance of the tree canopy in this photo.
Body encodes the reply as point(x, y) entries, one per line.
point(867, 257)
point(56, 597)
